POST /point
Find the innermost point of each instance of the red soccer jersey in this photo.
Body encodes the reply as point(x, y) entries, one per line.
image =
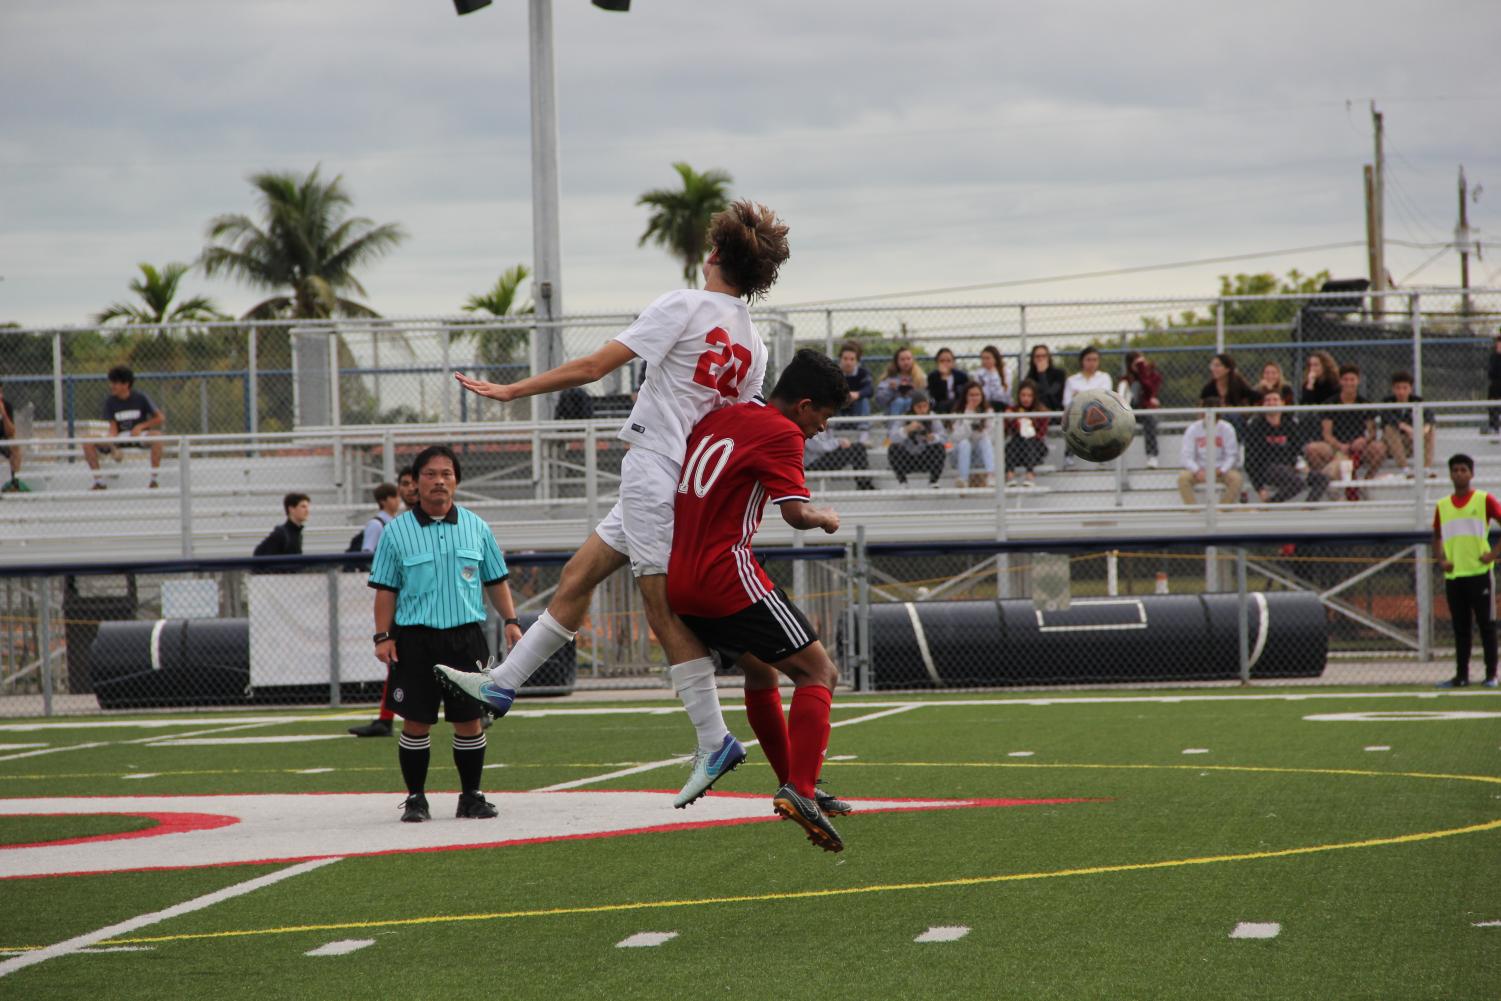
point(738, 457)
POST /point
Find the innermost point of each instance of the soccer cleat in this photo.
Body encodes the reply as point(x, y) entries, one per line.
point(1454, 683)
point(831, 805)
point(475, 807)
point(708, 768)
point(414, 809)
point(477, 686)
point(374, 728)
point(1489, 683)
point(789, 803)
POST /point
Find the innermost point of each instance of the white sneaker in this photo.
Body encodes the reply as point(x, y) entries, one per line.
point(1151, 462)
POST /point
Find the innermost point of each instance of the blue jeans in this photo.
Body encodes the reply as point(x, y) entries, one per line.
point(977, 448)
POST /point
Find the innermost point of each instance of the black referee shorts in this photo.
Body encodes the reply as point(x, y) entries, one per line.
point(413, 692)
point(772, 630)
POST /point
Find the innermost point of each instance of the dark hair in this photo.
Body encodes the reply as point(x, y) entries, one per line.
point(432, 452)
point(1026, 384)
point(1131, 359)
point(405, 471)
point(1000, 361)
point(1226, 360)
point(752, 244)
point(940, 352)
point(812, 375)
point(1349, 368)
point(1460, 459)
point(852, 346)
point(122, 373)
point(1032, 363)
point(964, 397)
point(1088, 349)
point(292, 500)
point(1400, 376)
point(384, 492)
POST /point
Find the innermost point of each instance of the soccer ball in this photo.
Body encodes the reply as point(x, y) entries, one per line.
point(1098, 425)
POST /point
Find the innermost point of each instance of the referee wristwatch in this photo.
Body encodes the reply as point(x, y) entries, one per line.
point(382, 637)
point(511, 622)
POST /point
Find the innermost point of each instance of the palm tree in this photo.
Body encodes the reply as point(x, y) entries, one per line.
point(679, 220)
point(305, 244)
point(498, 345)
point(157, 289)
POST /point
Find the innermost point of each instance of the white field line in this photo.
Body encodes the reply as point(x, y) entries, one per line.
point(682, 758)
point(342, 947)
point(129, 925)
point(154, 738)
point(56, 750)
point(943, 933)
point(1256, 929)
point(646, 939)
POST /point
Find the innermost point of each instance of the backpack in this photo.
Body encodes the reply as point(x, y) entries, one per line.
point(357, 544)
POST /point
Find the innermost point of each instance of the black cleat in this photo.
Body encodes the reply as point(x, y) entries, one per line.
point(831, 805)
point(475, 807)
point(374, 728)
point(790, 804)
point(414, 809)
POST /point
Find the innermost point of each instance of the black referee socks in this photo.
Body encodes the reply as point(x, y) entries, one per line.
point(413, 753)
point(469, 759)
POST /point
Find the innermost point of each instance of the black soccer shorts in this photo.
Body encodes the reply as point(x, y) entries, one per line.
point(413, 692)
point(772, 630)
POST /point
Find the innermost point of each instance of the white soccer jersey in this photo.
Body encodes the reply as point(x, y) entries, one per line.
point(701, 352)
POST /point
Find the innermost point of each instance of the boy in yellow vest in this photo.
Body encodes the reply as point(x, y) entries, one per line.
point(1461, 529)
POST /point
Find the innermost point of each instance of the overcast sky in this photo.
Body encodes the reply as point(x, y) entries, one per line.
point(910, 146)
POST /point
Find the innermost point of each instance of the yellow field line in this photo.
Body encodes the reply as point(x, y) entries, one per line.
point(1401, 839)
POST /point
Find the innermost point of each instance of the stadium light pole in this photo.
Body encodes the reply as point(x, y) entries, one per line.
point(547, 251)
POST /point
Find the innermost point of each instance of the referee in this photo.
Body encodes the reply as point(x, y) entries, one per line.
point(428, 572)
point(1461, 529)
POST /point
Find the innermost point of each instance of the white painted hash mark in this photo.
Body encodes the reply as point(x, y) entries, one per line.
point(1196, 750)
point(1488, 924)
point(943, 933)
point(1379, 747)
point(342, 947)
point(1020, 754)
point(141, 775)
point(646, 939)
point(313, 771)
point(1256, 929)
point(842, 757)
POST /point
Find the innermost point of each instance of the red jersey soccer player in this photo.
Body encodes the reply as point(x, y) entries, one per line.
point(738, 458)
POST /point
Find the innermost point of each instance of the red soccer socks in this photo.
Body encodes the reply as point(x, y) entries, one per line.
point(808, 736)
point(763, 711)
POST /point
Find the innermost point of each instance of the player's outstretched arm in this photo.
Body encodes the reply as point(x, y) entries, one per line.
point(578, 372)
point(804, 516)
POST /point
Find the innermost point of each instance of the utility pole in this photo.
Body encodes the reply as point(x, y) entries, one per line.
point(1462, 244)
point(1376, 218)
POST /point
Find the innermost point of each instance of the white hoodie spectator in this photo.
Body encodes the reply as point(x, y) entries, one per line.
point(1195, 455)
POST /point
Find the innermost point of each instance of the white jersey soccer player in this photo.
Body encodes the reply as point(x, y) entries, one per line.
point(702, 352)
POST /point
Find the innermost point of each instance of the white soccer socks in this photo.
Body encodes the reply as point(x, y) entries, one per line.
point(545, 638)
point(693, 680)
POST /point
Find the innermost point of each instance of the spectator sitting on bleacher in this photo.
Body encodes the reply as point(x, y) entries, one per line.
point(1349, 435)
point(861, 386)
point(1273, 381)
point(1196, 453)
point(917, 446)
point(1026, 437)
point(971, 436)
point(1272, 455)
point(1397, 429)
point(834, 449)
point(1226, 382)
point(131, 414)
point(1320, 379)
point(903, 378)
point(1089, 376)
point(1047, 377)
point(286, 539)
point(991, 375)
point(12, 453)
point(946, 383)
point(1139, 386)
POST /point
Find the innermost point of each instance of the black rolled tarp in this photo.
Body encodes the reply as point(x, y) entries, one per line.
point(1149, 638)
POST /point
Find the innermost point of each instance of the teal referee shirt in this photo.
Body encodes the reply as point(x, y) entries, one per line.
point(437, 567)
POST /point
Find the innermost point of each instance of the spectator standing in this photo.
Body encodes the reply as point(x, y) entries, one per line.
point(1493, 386)
point(1195, 458)
point(991, 375)
point(1461, 533)
point(1139, 387)
point(431, 573)
point(1026, 437)
point(1048, 378)
point(12, 453)
point(1272, 453)
point(917, 445)
point(286, 539)
point(971, 437)
point(1349, 435)
point(857, 377)
point(946, 383)
point(1397, 428)
point(131, 414)
point(902, 379)
point(406, 486)
point(1089, 376)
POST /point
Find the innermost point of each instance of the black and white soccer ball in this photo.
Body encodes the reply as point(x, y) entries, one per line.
point(1098, 425)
